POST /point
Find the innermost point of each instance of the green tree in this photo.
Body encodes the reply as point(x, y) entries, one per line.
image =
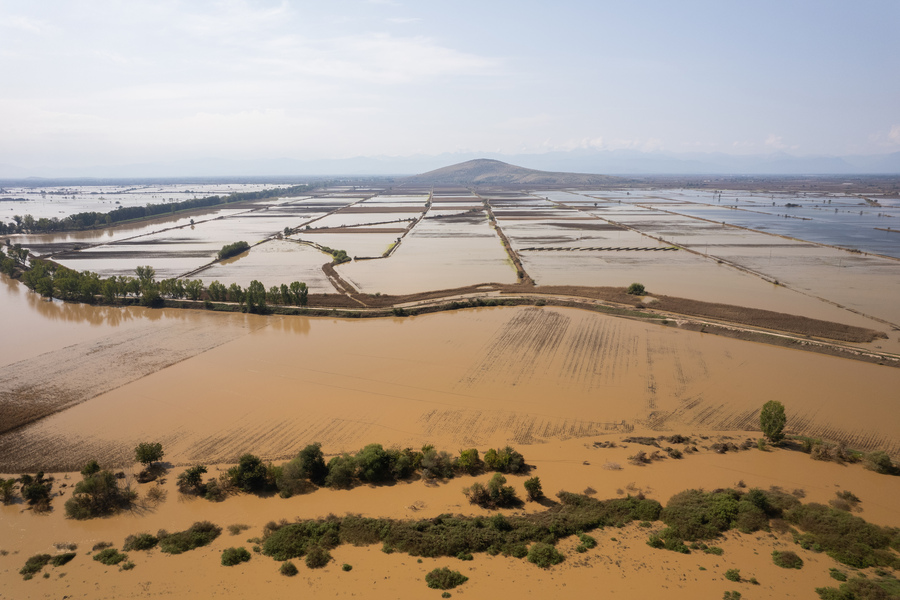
point(635, 289)
point(256, 297)
point(250, 474)
point(147, 453)
point(192, 479)
point(772, 421)
point(534, 489)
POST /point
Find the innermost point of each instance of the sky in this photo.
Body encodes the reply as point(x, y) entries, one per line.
point(119, 82)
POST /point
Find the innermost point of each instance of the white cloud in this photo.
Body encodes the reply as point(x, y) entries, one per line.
point(26, 24)
point(775, 141)
point(894, 135)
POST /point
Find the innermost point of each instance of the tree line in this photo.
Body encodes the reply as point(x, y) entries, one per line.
point(92, 220)
point(56, 281)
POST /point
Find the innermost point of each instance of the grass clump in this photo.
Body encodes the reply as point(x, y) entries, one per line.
point(288, 569)
point(544, 555)
point(445, 579)
point(110, 556)
point(234, 556)
point(787, 559)
point(140, 541)
point(201, 533)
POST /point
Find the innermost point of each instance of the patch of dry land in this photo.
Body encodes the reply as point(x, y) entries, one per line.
point(616, 416)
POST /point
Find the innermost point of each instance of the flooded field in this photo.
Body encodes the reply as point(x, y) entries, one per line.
point(477, 377)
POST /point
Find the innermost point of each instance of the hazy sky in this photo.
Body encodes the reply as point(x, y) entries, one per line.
point(114, 82)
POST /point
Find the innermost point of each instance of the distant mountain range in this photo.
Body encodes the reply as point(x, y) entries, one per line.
point(610, 162)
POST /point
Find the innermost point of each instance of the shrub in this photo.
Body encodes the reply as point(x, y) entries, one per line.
point(250, 474)
point(772, 420)
point(544, 555)
point(141, 541)
point(636, 289)
point(229, 250)
point(494, 495)
point(732, 595)
point(505, 460)
point(7, 490)
point(288, 569)
point(374, 464)
point(341, 471)
point(587, 541)
point(237, 528)
point(295, 540)
point(733, 574)
point(836, 574)
point(787, 559)
point(317, 557)
point(201, 533)
point(98, 494)
point(469, 461)
point(110, 556)
point(347, 567)
point(36, 490)
point(34, 564)
point(534, 489)
point(62, 559)
point(859, 588)
point(191, 480)
point(843, 536)
point(880, 462)
point(436, 465)
point(234, 556)
point(445, 579)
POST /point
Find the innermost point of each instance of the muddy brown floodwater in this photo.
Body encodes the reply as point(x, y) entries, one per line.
point(551, 381)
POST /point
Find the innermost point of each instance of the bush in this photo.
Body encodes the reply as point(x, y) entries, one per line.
point(234, 249)
point(201, 533)
point(733, 574)
point(772, 420)
point(141, 541)
point(341, 471)
point(35, 564)
point(844, 537)
point(494, 495)
point(505, 460)
point(98, 495)
point(787, 559)
point(110, 556)
point(191, 480)
point(534, 489)
point(636, 289)
point(836, 574)
point(587, 541)
point(36, 490)
point(544, 555)
point(7, 490)
point(250, 474)
point(374, 464)
point(445, 579)
point(436, 465)
point(295, 540)
point(469, 461)
point(288, 569)
point(317, 557)
point(62, 559)
point(235, 556)
point(880, 462)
